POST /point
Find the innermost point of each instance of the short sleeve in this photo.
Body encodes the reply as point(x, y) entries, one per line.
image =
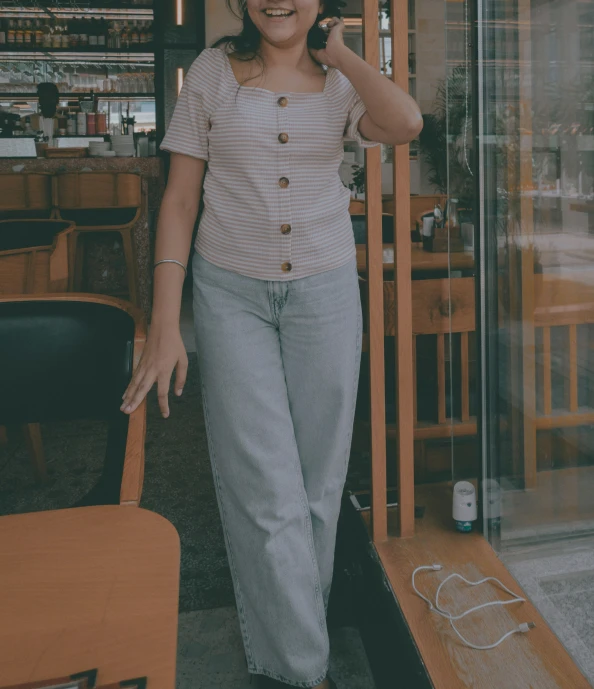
point(356, 110)
point(188, 130)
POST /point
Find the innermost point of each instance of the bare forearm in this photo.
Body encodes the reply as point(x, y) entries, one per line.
point(393, 112)
point(174, 234)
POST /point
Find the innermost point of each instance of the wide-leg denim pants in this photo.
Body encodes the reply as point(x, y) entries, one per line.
point(279, 364)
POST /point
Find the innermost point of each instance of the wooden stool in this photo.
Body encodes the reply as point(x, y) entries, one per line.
point(113, 192)
point(30, 192)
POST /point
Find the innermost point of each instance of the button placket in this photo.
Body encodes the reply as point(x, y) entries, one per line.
point(285, 224)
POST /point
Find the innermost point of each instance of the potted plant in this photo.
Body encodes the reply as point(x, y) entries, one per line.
point(445, 143)
point(358, 179)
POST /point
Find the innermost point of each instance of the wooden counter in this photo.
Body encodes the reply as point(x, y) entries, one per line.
point(105, 261)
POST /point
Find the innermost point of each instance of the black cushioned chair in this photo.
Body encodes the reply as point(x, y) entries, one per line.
point(360, 228)
point(70, 357)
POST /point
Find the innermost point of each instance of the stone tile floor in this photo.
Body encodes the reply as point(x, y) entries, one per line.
point(559, 579)
point(210, 654)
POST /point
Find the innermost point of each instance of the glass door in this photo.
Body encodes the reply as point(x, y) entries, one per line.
point(535, 89)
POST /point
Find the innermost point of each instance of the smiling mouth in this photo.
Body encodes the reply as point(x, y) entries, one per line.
point(278, 13)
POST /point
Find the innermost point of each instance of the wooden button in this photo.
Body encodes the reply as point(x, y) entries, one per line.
point(283, 138)
point(283, 182)
point(286, 267)
point(286, 229)
point(283, 102)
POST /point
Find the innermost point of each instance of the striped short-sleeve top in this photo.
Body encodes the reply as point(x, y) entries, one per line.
point(275, 207)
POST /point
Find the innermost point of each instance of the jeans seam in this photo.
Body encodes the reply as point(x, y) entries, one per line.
point(239, 595)
point(310, 538)
point(358, 344)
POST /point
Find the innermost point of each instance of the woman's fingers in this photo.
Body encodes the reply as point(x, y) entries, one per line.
point(141, 392)
point(135, 383)
point(181, 373)
point(163, 394)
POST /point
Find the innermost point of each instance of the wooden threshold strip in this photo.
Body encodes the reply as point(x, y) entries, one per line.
point(536, 659)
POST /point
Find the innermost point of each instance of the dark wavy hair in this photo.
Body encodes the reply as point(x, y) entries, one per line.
point(246, 44)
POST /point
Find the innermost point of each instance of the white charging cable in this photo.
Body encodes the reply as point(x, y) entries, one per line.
point(435, 607)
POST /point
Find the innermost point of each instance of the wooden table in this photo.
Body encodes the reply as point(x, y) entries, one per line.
point(421, 260)
point(95, 587)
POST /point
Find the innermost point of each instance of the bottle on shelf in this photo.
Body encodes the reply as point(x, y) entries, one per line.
point(125, 36)
point(28, 128)
point(83, 34)
point(73, 32)
point(71, 124)
point(113, 36)
point(57, 35)
point(142, 34)
point(93, 33)
point(152, 143)
point(64, 34)
point(19, 36)
point(47, 35)
point(11, 32)
point(2, 32)
point(81, 123)
point(134, 35)
point(27, 32)
point(38, 32)
point(102, 32)
point(149, 33)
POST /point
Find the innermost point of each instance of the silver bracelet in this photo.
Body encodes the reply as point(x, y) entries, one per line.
point(172, 260)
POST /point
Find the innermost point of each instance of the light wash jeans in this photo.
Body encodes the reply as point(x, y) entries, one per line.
point(279, 363)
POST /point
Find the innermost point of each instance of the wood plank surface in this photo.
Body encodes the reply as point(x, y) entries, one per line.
point(536, 660)
point(547, 371)
point(464, 377)
point(95, 587)
point(421, 260)
point(438, 306)
point(375, 302)
point(402, 285)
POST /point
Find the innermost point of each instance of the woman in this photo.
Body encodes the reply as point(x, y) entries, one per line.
point(276, 304)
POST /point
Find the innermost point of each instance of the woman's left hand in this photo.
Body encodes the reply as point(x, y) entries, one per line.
point(330, 55)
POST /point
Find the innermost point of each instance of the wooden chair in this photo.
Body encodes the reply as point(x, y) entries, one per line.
point(29, 193)
point(563, 395)
point(360, 228)
point(565, 302)
point(33, 260)
point(34, 256)
point(440, 307)
point(89, 588)
point(70, 357)
point(419, 204)
point(357, 207)
point(101, 202)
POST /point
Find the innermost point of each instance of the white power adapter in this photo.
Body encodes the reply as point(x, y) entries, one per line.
point(436, 608)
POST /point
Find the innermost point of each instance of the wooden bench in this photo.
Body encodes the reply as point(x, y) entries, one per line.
point(537, 659)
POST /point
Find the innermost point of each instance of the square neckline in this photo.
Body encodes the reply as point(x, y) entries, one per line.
point(229, 67)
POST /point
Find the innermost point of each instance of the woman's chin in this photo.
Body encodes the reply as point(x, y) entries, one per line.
point(283, 36)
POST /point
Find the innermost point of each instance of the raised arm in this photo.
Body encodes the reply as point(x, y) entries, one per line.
point(392, 116)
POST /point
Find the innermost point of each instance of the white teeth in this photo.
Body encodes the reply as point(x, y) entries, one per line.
point(277, 13)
